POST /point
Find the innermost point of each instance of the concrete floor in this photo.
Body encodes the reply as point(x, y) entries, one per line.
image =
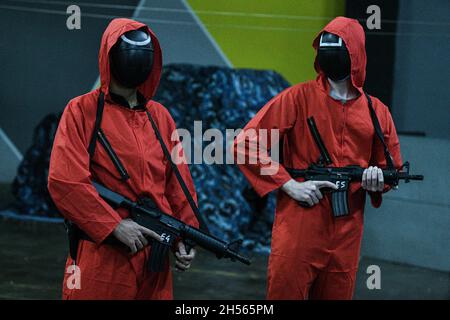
point(32, 259)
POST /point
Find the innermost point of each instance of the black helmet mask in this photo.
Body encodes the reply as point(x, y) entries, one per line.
point(333, 57)
point(131, 58)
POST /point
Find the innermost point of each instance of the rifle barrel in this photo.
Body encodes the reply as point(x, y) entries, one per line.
point(238, 257)
point(411, 177)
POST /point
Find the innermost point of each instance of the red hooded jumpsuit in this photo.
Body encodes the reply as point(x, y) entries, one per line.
point(108, 272)
point(313, 255)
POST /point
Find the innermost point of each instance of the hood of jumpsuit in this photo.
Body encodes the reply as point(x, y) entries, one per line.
point(352, 33)
point(115, 29)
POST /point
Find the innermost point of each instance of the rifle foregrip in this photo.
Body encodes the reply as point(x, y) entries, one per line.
point(204, 240)
point(188, 245)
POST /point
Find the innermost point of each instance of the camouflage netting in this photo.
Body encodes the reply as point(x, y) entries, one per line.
point(221, 98)
point(30, 185)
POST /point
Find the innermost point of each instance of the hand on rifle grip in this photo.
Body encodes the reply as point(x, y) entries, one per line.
point(133, 235)
point(307, 193)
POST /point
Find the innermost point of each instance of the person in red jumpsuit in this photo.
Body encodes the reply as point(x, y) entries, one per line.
point(130, 62)
point(314, 255)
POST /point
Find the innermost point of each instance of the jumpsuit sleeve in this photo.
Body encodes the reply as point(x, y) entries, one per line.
point(251, 149)
point(378, 159)
point(173, 191)
point(69, 179)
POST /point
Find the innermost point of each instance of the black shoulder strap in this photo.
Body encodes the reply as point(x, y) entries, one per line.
point(98, 134)
point(98, 120)
point(379, 133)
point(185, 189)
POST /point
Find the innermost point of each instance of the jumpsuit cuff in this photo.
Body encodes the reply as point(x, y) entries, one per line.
point(277, 181)
point(99, 238)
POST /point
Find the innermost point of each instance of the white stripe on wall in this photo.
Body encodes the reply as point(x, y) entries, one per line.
point(11, 145)
point(207, 34)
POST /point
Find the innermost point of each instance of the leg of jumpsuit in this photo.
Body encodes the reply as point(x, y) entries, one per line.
point(155, 285)
point(308, 282)
point(333, 286)
point(282, 285)
point(108, 274)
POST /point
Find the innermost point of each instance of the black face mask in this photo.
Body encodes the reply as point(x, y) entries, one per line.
point(333, 57)
point(131, 58)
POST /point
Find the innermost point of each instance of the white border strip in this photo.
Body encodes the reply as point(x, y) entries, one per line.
point(11, 145)
point(138, 9)
point(207, 34)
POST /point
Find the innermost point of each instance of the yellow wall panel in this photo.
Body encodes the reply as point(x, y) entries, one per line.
point(268, 34)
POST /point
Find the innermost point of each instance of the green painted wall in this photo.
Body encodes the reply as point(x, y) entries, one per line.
point(279, 38)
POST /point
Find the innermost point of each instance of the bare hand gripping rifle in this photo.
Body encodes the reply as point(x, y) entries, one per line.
point(343, 176)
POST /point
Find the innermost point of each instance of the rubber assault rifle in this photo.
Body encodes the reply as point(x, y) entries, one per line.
point(148, 215)
point(343, 176)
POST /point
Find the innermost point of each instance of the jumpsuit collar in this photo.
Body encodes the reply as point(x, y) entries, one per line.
point(118, 99)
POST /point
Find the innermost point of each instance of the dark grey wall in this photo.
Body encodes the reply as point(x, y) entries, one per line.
point(421, 96)
point(43, 64)
point(412, 226)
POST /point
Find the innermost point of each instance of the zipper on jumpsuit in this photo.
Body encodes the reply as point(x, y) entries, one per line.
point(134, 126)
point(344, 122)
point(344, 114)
